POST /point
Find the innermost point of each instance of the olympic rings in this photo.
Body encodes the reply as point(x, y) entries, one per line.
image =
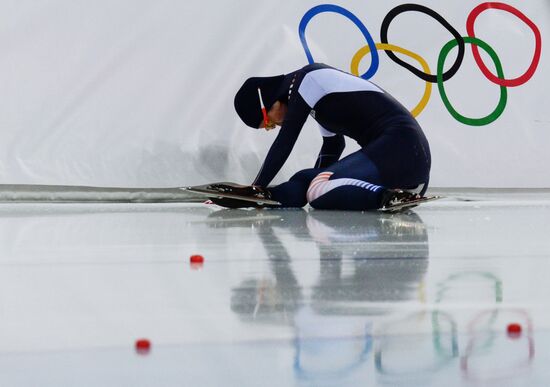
point(503, 91)
point(344, 12)
point(425, 10)
point(390, 47)
point(536, 55)
point(440, 77)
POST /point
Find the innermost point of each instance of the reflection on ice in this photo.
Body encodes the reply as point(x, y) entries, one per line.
point(345, 320)
point(284, 297)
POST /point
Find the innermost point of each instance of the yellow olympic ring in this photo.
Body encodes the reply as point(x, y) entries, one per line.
point(386, 46)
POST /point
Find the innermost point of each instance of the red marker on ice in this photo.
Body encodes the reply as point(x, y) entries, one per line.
point(143, 346)
point(197, 261)
point(514, 330)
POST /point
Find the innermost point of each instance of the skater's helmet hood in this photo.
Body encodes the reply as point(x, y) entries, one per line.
point(247, 102)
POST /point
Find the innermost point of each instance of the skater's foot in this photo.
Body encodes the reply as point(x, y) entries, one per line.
point(241, 190)
point(250, 191)
point(398, 198)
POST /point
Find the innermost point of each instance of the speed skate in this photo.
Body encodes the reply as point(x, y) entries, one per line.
point(232, 195)
point(406, 205)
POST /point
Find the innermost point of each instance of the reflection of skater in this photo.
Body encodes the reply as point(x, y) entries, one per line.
point(394, 152)
point(364, 257)
point(273, 299)
point(375, 271)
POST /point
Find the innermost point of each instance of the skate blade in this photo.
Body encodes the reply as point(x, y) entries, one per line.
point(409, 205)
point(212, 194)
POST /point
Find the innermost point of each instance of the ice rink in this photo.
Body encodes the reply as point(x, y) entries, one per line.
point(284, 297)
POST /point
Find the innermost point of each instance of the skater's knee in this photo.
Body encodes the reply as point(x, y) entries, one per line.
point(318, 186)
point(342, 194)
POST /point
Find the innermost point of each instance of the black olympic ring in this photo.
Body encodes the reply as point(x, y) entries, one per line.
point(420, 8)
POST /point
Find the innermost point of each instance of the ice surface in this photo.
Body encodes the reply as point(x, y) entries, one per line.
point(285, 297)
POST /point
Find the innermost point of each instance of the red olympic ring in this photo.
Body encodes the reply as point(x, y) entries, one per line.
point(538, 43)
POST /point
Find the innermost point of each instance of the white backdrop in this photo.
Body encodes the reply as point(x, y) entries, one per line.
point(140, 93)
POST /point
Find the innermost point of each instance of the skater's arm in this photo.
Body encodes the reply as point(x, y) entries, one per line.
point(331, 151)
point(296, 116)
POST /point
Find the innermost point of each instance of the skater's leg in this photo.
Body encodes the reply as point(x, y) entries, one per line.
point(293, 192)
point(352, 183)
point(402, 156)
point(399, 159)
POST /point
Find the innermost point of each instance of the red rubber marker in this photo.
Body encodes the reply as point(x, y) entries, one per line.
point(143, 346)
point(196, 258)
point(514, 330)
point(197, 261)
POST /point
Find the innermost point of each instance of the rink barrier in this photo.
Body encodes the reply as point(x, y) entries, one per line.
point(27, 193)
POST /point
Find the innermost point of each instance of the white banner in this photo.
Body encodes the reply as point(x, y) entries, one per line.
point(140, 93)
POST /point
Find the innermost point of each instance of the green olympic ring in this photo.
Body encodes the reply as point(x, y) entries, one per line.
point(503, 91)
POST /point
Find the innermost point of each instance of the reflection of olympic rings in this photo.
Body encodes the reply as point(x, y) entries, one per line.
point(420, 8)
point(443, 355)
point(503, 94)
point(344, 12)
point(390, 47)
point(458, 281)
point(495, 373)
point(440, 77)
point(303, 373)
point(538, 44)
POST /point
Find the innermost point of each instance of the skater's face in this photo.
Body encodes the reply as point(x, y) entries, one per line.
point(275, 116)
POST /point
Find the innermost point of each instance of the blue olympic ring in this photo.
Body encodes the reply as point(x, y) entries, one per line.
point(344, 12)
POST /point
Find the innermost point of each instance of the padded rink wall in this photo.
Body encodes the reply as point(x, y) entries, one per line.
point(140, 93)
